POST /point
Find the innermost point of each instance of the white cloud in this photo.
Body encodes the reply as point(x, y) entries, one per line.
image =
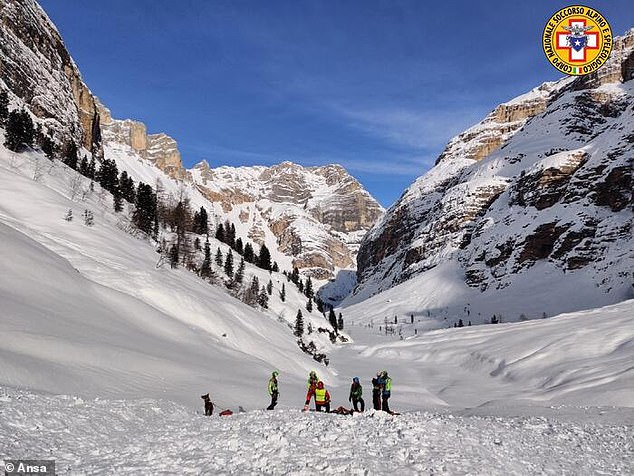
point(426, 130)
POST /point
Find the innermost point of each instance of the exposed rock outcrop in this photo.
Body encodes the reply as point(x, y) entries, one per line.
point(546, 177)
point(316, 214)
point(36, 68)
point(159, 149)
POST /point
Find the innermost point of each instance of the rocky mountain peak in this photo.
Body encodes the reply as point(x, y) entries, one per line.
point(160, 149)
point(544, 178)
point(317, 215)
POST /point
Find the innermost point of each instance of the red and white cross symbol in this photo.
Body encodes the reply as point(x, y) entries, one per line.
point(574, 55)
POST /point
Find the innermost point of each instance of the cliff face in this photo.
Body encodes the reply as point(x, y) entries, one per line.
point(36, 68)
point(316, 214)
point(159, 149)
point(544, 177)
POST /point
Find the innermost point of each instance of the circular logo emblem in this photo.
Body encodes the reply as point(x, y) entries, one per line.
point(577, 40)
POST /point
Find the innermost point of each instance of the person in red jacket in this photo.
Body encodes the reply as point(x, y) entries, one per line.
point(322, 397)
point(311, 385)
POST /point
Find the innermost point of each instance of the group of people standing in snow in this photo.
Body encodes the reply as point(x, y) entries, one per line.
point(381, 392)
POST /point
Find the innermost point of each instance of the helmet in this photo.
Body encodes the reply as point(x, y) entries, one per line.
point(276, 373)
point(355, 379)
point(379, 373)
point(384, 373)
point(320, 385)
point(312, 373)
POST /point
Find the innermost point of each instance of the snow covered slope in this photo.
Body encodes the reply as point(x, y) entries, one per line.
point(583, 358)
point(539, 190)
point(159, 437)
point(86, 311)
point(84, 308)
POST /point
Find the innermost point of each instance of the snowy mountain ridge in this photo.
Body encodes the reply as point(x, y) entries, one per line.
point(546, 178)
point(312, 218)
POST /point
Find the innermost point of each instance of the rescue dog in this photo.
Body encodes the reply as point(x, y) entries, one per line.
point(209, 405)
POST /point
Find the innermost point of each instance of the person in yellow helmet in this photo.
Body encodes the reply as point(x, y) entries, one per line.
point(273, 390)
point(322, 397)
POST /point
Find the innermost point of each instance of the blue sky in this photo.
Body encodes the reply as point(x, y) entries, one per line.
point(377, 86)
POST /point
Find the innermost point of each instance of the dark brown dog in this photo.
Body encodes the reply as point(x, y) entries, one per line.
point(209, 405)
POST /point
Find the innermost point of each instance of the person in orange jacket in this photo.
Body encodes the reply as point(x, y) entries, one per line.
point(322, 397)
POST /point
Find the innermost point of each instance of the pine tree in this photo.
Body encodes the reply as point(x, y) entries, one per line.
point(71, 156)
point(28, 129)
point(275, 268)
point(182, 223)
point(4, 107)
point(201, 225)
point(340, 322)
point(117, 200)
point(144, 215)
point(299, 324)
point(229, 264)
point(309, 305)
point(219, 257)
point(174, 256)
point(205, 268)
point(320, 304)
point(300, 286)
point(308, 289)
point(89, 219)
point(48, 147)
point(264, 258)
point(69, 215)
point(309, 328)
point(220, 233)
point(269, 287)
point(230, 232)
point(92, 169)
point(83, 166)
point(197, 244)
point(332, 318)
point(249, 255)
point(19, 132)
point(108, 175)
point(295, 275)
point(239, 277)
point(263, 298)
point(126, 185)
point(254, 289)
point(239, 246)
point(283, 293)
